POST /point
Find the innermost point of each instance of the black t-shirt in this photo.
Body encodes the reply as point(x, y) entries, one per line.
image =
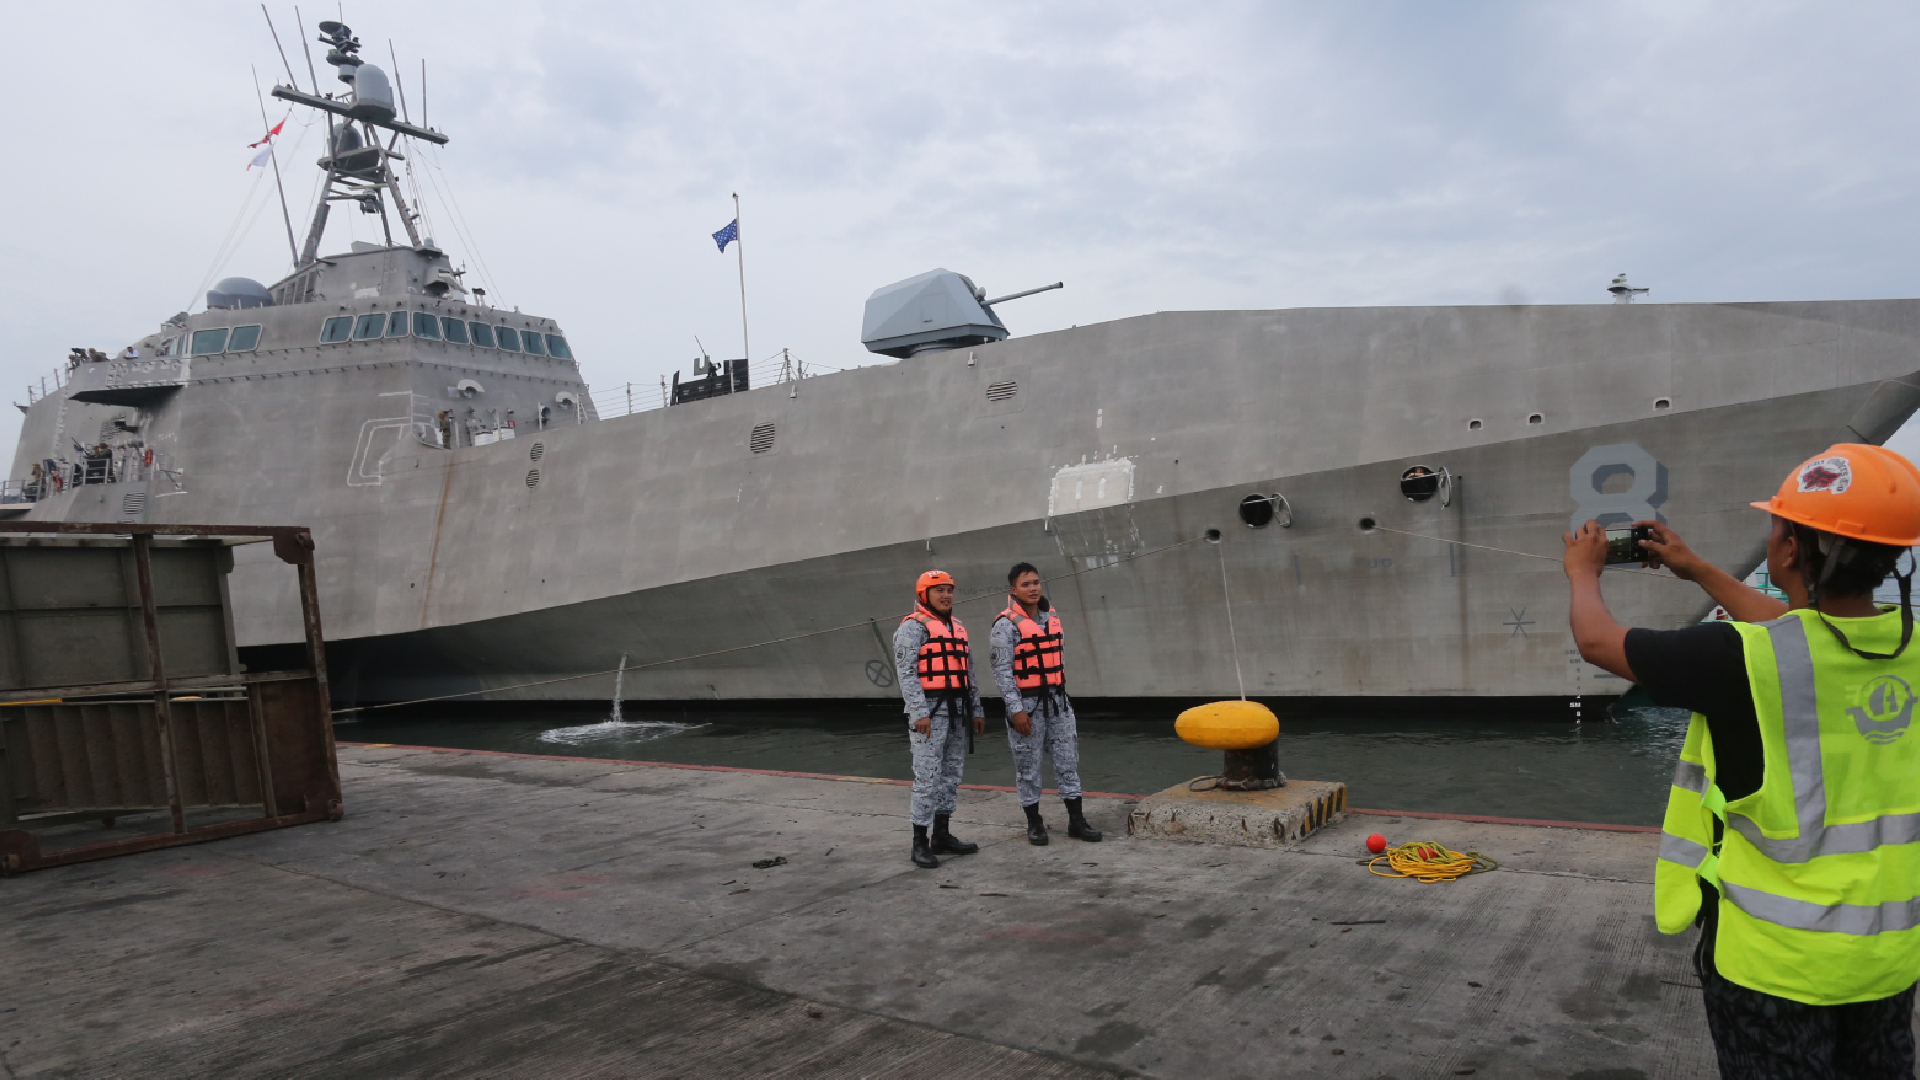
point(1704, 668)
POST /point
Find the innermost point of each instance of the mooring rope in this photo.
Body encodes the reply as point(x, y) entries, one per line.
point(1523, 554)
point(1116, 561)
point(1227, 595)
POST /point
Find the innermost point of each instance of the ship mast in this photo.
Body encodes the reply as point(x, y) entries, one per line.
point(359, 169)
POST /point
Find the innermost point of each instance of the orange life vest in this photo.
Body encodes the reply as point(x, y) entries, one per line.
point(942, 664)
point(1036, 657)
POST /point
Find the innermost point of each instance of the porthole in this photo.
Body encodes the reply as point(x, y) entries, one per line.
point(1536, 418)
point(1420, 483)
point(1476, 425)
point(761, 439)
point(1662, 403)
point(533, 478)
point(1257, 511)
point(1213, 536)
point(535, 451)
point(1001, 391)
point(1367, 524)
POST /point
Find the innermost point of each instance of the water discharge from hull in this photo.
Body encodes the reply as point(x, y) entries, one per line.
point(615, 733)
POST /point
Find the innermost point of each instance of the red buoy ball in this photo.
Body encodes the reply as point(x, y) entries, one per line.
point(1376, 843)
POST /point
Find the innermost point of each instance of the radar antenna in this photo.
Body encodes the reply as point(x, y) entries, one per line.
point(1624, 293)
point(358, 168)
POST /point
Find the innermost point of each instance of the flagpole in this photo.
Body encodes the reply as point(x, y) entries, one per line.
point(740, 251)
point(275, 159)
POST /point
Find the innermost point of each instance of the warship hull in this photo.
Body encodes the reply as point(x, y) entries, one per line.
point(762, 545)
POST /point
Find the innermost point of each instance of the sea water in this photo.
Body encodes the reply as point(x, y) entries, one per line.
point(1598, 771)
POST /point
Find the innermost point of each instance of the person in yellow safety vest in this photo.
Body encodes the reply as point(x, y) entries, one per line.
point(1792, 831)
point(935, 666)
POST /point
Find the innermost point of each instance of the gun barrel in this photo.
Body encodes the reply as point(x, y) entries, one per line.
point(1018, 295)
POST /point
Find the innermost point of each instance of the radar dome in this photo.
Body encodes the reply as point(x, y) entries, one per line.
point(238, 292)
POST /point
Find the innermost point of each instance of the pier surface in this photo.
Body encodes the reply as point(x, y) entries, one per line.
point(486, 914)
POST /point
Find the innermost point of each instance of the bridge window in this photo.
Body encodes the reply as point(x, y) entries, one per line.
point(530, 342)
point(482, 334)
point(244, 338)
point(369, 326)
point(397, 324)
point(509, 338)
point(557, 347)
point(338, 328)
point(209, 341)
point(426, 326)
point(456, 330)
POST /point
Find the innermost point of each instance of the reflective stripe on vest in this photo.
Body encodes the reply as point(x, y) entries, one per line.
point(1036, 655)
point(1800, 713)
point(1686, 835)
point(1679, 849)
point(1824, 911)
point(943, 661)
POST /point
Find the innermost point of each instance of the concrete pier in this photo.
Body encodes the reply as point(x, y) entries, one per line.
point(494, 915)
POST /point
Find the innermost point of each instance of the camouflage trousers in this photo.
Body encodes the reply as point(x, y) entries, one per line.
point(939, 761)
point(1053, 735)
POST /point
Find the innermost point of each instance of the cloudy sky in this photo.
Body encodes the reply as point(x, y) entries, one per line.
point(1228, 155)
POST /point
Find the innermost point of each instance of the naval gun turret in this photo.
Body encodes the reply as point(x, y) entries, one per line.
point(935, 310)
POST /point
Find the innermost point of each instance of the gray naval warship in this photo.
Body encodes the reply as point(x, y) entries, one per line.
point(1326, 506)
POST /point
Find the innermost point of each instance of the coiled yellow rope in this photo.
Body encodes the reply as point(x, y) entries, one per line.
point(1426, 861)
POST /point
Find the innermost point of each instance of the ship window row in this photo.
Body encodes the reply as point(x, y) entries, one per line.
point(442, 328)
point(225, 339)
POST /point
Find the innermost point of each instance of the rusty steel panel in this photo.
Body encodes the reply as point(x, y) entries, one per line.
point(127, 636)
point(300, 748)
point(70, 612)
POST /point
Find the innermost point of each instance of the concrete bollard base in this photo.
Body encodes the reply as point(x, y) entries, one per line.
point(1273, 818)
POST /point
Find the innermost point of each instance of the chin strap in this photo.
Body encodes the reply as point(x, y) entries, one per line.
point(1829, 563)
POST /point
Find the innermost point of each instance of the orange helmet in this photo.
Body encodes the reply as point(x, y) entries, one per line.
point(929, 579)
point(1853, 490)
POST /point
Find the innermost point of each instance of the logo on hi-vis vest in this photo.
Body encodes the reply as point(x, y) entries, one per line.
point(1833, 475)
point(1888, 705)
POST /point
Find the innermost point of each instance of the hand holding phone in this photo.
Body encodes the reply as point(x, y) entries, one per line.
point(1623, 545)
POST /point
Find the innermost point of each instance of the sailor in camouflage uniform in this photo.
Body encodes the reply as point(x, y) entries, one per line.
point(1027, 667)
point(935, 668)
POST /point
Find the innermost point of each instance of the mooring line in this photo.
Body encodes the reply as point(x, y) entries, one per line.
point(1117, 560)
point(1226, 595)
point(1522, 554)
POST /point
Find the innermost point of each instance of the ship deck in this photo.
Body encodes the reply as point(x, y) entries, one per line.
point(487, 914)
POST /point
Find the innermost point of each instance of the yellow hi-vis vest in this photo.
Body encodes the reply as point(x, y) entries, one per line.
point(1819, 870)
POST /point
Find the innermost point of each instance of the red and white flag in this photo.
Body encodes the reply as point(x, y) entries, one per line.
point(266, 147)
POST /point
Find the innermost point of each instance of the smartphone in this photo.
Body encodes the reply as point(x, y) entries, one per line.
point(1623, 545)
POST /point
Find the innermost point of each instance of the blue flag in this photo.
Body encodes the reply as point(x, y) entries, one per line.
point(728, 235)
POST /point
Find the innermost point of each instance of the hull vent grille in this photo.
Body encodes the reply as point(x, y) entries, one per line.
point(1001, 391)
point(132, 503)
point(533, 477)
point(535, 451)
point(761, 440)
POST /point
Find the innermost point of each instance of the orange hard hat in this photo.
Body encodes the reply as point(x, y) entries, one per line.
point(929, 579)
point(1853, 490)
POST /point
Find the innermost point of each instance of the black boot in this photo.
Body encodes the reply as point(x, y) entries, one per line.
point(1036, 828)
point(945, 842)
point(922, 851)
point(1077, 826)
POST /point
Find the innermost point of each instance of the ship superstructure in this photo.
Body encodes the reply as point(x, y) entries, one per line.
point(1336, 476)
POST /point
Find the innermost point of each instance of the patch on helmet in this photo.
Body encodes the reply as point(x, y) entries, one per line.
point(1833, 475)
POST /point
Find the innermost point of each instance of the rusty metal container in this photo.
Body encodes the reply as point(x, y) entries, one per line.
point(125, 721)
